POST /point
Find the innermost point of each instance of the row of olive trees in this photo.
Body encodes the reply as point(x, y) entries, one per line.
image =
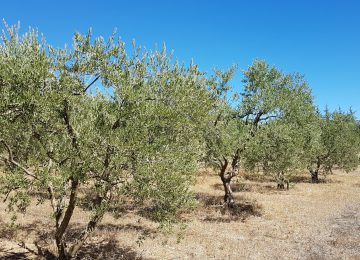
point(276, 127)
point(142, 143)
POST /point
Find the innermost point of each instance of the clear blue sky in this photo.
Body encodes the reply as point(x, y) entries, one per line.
point(320, 39)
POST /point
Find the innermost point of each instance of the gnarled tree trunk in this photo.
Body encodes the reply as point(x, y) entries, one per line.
point(226, 177)
point(282, 181)
point(226, 181)
point(314, 176)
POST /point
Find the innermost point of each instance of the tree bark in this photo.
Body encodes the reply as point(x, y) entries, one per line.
point(314, 176)
point(226, 181)
point(228, 197)
point(281, 186)
point(281, 181)
point(315, 173)
point(59, 235)
point(227, 176)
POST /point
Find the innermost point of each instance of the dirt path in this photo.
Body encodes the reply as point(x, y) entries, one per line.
point(307, 222)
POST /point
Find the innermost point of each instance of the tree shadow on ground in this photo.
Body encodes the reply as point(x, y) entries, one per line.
point(120, 207)
point(300, 179)
point(107, 249)
point(126, 227)
point(13, 255)
point(7, 231)
point(248, 187)
point(257, 177)
point(17, 232)
point(303, 178)
point(212, 209)
point(42, 247)
point(31, 252)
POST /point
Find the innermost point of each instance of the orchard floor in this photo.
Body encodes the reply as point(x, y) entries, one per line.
point(310, 221)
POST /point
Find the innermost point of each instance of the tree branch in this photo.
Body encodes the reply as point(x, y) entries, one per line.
point(92, 82)
point(8, 149)
point(217, 119)
point(96, 218)
point(101, 207)
point(248, 113)
point(267, 117)
point(12, 161)
point(49, 153)
point(8, 193)
point(69, 127)
point(257, 118)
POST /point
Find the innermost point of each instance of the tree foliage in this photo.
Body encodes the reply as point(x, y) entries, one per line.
point(335, 144)
point(139, 137)
point(278, 110)
point(141, 143)
point(266, 129)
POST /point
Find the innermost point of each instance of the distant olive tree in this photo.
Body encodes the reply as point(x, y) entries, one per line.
point(276, 109)
point(335, 143)
point(141, 142)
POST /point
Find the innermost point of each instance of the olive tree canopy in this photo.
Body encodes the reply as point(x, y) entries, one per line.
point(141, 143)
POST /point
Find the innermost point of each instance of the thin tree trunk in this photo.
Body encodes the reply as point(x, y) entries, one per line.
point(59, 235)
point(101, 205)
point(85, 234)
point(62, 252)
point(315, 173)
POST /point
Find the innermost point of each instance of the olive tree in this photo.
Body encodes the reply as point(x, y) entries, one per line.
point(141, 142)
point(224, 134)
point(265, 127)
point(335, 144)
point(276, 110)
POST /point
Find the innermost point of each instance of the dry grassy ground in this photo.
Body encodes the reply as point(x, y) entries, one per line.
point(310, 221)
